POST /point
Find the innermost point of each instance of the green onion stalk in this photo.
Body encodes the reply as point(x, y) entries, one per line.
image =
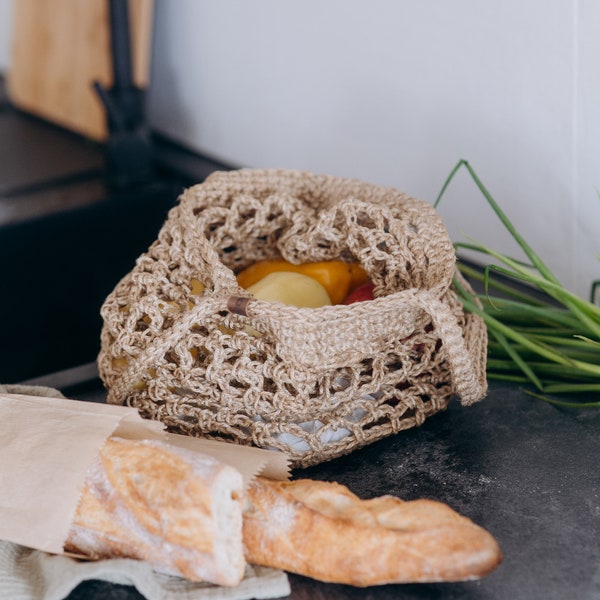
point(541, 335)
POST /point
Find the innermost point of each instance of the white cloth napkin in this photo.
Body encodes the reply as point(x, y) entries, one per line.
point(27, 574)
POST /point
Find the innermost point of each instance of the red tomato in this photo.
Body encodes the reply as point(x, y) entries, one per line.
point(361, 293)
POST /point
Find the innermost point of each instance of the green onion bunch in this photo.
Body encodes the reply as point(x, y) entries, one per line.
point(540, 334)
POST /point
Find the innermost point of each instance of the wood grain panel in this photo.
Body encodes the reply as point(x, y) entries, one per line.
point(59, 48)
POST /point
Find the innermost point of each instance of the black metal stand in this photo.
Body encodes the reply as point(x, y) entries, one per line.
point(129, 156)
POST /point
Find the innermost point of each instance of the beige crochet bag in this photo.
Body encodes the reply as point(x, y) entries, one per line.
point(316, 383)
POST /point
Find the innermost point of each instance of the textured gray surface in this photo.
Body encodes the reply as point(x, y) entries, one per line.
point(523, 469)
point(44, 155)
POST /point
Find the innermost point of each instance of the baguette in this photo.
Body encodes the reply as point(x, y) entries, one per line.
point(178, 510)
point(323, 531)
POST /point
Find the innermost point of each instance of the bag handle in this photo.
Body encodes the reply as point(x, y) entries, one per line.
point(331, 337)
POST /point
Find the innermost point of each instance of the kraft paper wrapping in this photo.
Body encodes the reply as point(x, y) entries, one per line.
point(47, 445)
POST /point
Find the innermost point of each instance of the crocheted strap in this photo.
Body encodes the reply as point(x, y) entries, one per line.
point(467, 375)
point(334, 336)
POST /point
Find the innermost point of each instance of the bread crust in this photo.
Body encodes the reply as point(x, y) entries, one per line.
point(178, 510)
point(182, 513)
point(323, 531)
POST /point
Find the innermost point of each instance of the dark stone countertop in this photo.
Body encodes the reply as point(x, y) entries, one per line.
point(523, 469)
point(67, 236)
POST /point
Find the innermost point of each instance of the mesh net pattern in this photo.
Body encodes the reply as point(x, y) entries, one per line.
point(315, 383)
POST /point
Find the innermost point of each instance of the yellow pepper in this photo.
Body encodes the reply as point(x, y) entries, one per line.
point(359, 276)
point(197, 287)
point(336, 276)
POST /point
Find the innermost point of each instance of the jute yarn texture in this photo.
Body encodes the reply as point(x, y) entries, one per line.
point(186, 345)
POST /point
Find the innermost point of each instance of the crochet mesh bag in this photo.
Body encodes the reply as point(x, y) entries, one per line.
point(316, 383)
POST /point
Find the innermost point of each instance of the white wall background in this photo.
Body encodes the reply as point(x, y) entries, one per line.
point(395, 92)
point(5, 33)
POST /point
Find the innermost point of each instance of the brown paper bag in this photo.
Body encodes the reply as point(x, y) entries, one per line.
point(47, 445)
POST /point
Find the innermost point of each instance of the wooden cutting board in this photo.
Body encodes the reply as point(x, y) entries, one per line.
point(59, 48)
